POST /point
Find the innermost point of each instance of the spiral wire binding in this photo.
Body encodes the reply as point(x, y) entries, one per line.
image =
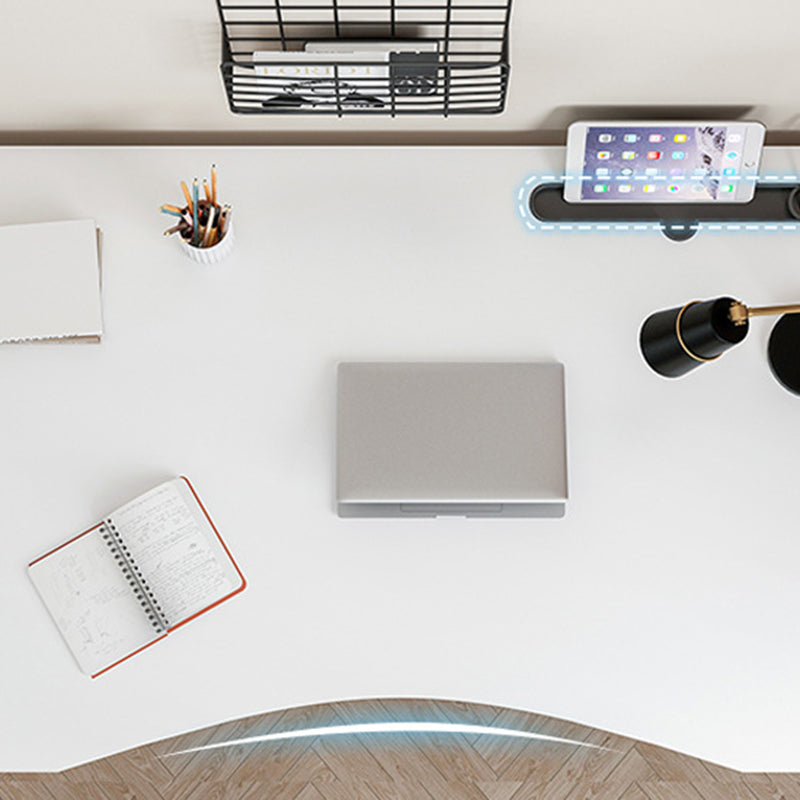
point(133, 575)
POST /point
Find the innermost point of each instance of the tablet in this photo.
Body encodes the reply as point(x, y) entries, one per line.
point(662, 162)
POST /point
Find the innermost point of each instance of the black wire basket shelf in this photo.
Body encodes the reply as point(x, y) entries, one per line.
point(368, 57)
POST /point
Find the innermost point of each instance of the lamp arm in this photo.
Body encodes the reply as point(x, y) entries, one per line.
point(739, 312)
point(768, 311)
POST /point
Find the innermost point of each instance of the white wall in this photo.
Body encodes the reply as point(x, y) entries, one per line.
point(106, 65)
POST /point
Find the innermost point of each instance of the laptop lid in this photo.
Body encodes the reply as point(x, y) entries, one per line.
point(468, 439)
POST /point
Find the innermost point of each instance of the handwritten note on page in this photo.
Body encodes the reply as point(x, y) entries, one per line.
point(177, 550)
point(91, 602)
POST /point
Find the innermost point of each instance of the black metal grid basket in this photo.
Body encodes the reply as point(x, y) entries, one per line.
point(450, 57)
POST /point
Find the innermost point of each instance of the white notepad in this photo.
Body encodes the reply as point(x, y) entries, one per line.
point(50, 282)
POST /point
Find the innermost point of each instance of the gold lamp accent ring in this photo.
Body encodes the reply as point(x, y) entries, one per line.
point(680, 336)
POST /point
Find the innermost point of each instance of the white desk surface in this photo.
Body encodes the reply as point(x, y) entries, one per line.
point(662, 606)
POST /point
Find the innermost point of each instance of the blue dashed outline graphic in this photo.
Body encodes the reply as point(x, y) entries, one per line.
point(533, 224)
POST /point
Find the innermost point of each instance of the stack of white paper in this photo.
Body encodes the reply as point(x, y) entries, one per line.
point(50, 282)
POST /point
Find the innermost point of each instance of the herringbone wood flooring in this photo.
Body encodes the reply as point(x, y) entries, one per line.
point(400, 766)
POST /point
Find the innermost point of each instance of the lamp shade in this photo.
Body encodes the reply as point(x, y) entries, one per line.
point(784, 352)
point(676, 340)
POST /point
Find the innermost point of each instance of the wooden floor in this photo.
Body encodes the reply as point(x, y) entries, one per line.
point(418, 766)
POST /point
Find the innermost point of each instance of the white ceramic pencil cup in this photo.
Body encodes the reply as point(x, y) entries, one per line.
point(210, 255)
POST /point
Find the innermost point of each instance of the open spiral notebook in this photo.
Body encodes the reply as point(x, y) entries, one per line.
point(137, 575)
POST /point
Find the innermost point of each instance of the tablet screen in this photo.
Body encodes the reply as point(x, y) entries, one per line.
point(666, 163)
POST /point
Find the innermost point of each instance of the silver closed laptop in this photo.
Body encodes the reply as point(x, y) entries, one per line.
point(466, 439)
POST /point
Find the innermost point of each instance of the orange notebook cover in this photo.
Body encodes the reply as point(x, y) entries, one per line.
point(144, 570)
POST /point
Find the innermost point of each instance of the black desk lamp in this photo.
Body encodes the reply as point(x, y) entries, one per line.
point(677, 340)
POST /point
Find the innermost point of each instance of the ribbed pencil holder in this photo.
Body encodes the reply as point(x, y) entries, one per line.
point(213, 254)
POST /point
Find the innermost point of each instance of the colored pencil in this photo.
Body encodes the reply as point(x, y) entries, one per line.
point(214, 184)
point(207, 190)
point(187, 195)
point(209, 224)
point(226, 219)
point(181, 226)
point(196, 235)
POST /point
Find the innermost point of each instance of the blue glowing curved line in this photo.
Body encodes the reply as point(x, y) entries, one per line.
point(389, 727)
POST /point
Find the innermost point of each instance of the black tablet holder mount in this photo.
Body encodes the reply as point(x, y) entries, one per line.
point(678, 221)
